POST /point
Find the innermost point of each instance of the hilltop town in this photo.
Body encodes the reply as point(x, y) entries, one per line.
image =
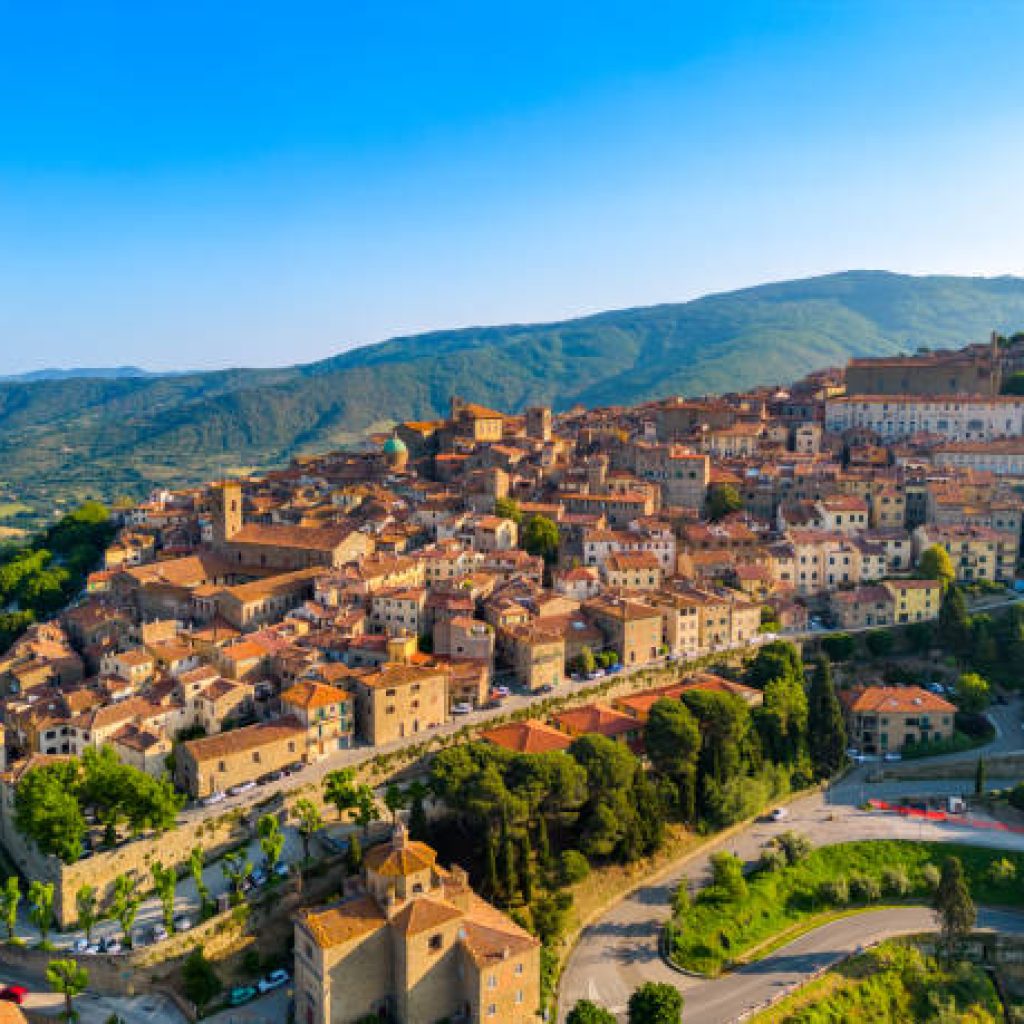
point(255, 635)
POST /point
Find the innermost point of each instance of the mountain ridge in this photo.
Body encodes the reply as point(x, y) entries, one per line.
point(100, 436)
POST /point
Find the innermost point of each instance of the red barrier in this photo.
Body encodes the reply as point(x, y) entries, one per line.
point(950, 819)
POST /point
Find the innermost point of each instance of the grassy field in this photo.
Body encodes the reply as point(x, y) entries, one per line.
point(715, 931)
point(12, 508)
point(895, 982)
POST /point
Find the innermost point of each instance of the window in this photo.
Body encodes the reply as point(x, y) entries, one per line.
point(436, 942)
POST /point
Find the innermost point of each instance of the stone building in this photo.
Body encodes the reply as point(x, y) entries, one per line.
point(417, 946)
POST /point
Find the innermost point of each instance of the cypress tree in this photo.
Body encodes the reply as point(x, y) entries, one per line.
point(418, 828)
point(490, 880)
point(508, 867)
point(825, 727)
point(543, 845)
point(979, 777)
point(526, 886)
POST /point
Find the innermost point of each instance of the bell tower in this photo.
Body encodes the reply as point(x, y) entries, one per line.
point(226, 506)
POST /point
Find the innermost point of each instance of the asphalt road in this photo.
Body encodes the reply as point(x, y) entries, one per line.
point(726, 999)
point(619, 952)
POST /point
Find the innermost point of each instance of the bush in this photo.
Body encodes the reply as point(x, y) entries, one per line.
point(865, 889)
point(930, 875)
point(1002, 871)
point(727, 876)
point(772, 859)
point(795, 845)
point(895, 882)
point(574, 867)
point(835, 891)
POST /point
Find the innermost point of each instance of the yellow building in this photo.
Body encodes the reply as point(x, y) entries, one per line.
point(418, 946)
point(400, 700)
point(914, 600)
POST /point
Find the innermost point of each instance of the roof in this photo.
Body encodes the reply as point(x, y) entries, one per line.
point(422, 914)
point(527, 737)
point(900, 700)
point(344, 921)
point(392, 860)
point(597, 718)
point(311, 538)
point(310, 694)
point(718, 684)
point(249, 737)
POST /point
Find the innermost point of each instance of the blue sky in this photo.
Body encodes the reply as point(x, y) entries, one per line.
point(227, 183)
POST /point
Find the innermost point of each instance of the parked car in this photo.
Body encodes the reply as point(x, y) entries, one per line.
point(80, 946)
point(257, 877)
point(332, 843)
point(294, 767)
point(242, 787)
point(501, 691)
point(281, 869)
point(110, 945)
point(612, 669)
point(462, 708)
point(275, 979)
point(215, 798)
point(13, 994)
point(159, 933)
point(269, 777)
point(893, 755)
point(779, 814)
point(182, 923)
point(241, 994)
point(546, 688)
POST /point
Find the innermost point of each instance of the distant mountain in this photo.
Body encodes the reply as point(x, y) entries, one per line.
point(108, 435)
point(101, 372)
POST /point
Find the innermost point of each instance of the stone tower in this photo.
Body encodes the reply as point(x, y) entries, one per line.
point(538, 423)
point(226, 506)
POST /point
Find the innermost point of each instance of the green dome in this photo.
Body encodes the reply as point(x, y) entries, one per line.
point(395, 446)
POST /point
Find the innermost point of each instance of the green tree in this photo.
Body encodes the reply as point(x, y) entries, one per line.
point(586, 1012)
point(585, 661)
point(879, 643)
point(839, 646)
point(419, 828)
point(490, 872)
point(354, 856)
point(46, 809)
point(782, 719)
point(395, 799)
point(920, 636)
point(979, 777)
point(69, 979)
point(196, 867)
point(268, 828)
point(508, 508)
point(778, 660)
point(954, 907)
point(973, 693)
point(826, 729)
point(723, 500)
point(87, 907)
point(727, 876)
point(540, 537)
point(10, 899)
point(935, 564)
point(199, 979)
point(527, 879)
point(954, 624)
point(655, 1003)
point(165, 883)
point(340, 790)
point(308, 821)
point(236, 868)
point(125, 905)
point(367, 811)
point(672, 741)
point(40, 908)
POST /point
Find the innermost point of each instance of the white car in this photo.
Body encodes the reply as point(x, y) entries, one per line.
point(893, 755)
point(462, 708)
point(215, 798)
point(182, 924)
point(780, 814)
point(242, 787)
point(275, 979)
point(81, 946)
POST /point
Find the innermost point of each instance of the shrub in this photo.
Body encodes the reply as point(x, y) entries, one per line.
point(865, 888)
point(930, 875)
point(727, 876)
point(1002, 871)
point(795, 845)
point(574, 867)
point(772, 859)
point(835, 891)
point(895, 882)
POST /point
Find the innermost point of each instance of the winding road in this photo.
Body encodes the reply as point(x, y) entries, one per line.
point(619, 951)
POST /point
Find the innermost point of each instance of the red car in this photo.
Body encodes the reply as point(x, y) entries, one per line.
point(13, 993)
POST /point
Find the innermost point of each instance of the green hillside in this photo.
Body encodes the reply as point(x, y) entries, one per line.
point(72, 438)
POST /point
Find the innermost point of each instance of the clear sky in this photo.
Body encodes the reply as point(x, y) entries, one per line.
point(214, 183)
